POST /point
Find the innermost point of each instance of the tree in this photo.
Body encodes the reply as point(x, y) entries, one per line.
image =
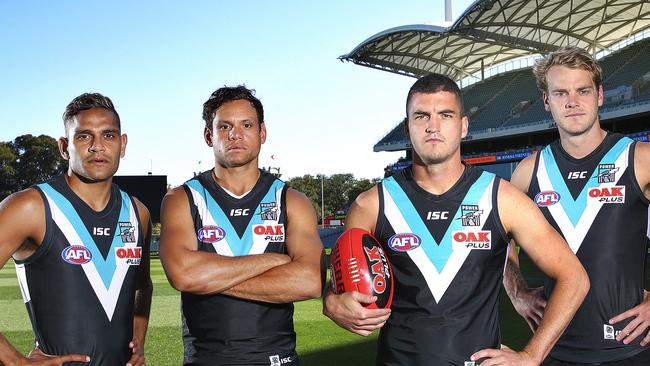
point(361, 186)
point(28, 160)
point(8, 182)
point(340, 190)
point(310, 186)
point(337, 192)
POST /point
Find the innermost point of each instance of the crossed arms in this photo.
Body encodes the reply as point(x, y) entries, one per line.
point(268, 277)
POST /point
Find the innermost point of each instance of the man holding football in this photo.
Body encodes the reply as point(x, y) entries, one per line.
point(458, 220)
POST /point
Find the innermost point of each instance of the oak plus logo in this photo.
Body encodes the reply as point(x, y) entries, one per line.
point(481, 240)
point(611, 194)
point(270, 233)
point(130, 256)
point(379, 268)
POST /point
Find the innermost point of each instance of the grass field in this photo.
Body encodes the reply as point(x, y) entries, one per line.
point(320, 341)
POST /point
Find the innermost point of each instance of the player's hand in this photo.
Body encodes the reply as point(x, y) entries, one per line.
point(638, 326)
point(37, 358)
point(347, 311)
point(137, 358)
point(504, 357)
point(530, 304)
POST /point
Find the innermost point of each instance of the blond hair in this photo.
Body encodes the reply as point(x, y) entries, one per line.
point(569, 56)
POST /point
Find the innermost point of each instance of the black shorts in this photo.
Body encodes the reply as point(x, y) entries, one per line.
point(640, 359)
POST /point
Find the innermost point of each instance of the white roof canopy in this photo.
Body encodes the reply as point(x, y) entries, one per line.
point(491, 32)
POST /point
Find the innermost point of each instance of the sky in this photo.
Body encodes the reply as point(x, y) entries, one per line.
point(160, 60)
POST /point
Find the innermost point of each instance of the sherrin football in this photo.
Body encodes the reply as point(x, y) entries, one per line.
point(358, 263)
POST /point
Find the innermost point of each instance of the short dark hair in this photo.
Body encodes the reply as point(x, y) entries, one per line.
point(434, 83)
point(230, 94)
point(88, 101)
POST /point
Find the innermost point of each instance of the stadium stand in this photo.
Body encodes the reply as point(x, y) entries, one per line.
point(328, 235)
point(492, 62)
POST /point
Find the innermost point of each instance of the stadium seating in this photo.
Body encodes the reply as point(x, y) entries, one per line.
point(497, 100)
point(512, 99)
point(328, 235)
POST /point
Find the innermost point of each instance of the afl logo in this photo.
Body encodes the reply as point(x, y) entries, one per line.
point(76, 254)
point(211, 234)
point(404, 242)
point(547, 198)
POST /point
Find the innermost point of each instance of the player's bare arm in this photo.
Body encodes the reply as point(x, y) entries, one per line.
point(528, 302)
point(642, 166)
point(143, 292)
point(641, 313)
point(22, 229)
point(197, 272)
point(300, 279)
point(347, 309)
point(548, 250)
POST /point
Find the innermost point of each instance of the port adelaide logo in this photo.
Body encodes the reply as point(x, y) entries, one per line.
point(127, 232)
point(607, 173)
point(269, 211)
point(470, 215)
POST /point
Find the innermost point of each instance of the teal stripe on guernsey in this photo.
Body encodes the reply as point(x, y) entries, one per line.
point(438, 253)
point(238, 245)
point(105, 267)
point(575, 208)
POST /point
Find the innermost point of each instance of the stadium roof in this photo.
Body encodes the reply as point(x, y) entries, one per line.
point(491, 32)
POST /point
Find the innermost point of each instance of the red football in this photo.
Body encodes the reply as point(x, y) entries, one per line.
point(358, 263)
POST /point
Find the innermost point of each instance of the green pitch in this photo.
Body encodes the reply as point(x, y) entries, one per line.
point(320, 341)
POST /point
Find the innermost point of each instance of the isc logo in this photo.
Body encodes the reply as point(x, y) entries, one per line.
point(102, 231)
point(547, 198)
point(274, 233)
point(379, 272)
point(615, 194)
point(130, 256)
point(76, 254)
point(239, 212)
point(211, 234)
point(472, 239)
point(577, 175)
point(404, 242)
point(437, 215)
point(277, 361)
